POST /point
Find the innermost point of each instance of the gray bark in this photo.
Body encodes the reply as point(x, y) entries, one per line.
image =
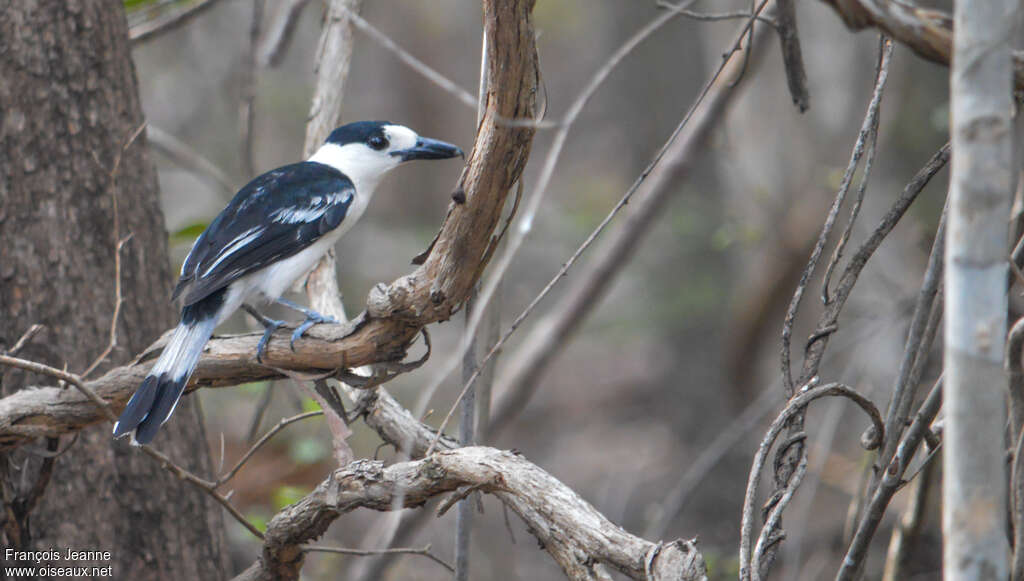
point(981, 188)
point(68, 103)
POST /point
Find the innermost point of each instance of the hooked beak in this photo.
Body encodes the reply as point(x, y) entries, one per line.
point(427, 148)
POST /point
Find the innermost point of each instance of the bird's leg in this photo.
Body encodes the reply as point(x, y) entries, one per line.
point(312, 318)
point(269, 326)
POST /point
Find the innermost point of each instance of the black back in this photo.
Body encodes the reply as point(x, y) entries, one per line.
point(274, 216)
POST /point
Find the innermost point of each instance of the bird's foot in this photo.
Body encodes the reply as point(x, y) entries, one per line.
point(312, 318)
point(269, 326)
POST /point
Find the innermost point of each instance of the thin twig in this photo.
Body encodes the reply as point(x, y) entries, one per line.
point(32, 495)
point(771, 533)
point(257, 416)
point(710, 455)
point(278, 38)
point(905, 534)
point(693, 15)
point(64, 376)
point(927, 309)
point(885, 51)
point(468, 416)
point(204, 485)
point(409, 526)
point(183, 155)
point(866, 133)
point(889, 485)
point(247, 109)
point(118, 245)
point(24, 339)
point(263, 440)
point(464, 514)
point(425, 551)
point(416, 64)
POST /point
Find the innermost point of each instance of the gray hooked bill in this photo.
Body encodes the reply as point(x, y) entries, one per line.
point(427, 148)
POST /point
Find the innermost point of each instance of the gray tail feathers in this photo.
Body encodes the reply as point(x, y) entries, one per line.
point(156, 398)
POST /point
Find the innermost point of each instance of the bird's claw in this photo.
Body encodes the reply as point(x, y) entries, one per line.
point(269, 326)
point(312, 318)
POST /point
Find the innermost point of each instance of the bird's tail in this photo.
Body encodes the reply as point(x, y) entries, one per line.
point(158, 395)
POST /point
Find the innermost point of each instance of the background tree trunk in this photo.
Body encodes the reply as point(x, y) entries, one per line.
point(981, 188)
point(68, 104)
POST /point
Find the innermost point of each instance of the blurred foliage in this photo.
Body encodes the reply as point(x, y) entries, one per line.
point(308, 450)
point(189, 233)
point(310, 405)
point(259, 519)
point(286, 495)
point(254, 388)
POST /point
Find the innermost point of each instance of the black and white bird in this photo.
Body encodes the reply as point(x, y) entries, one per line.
point(272, 232)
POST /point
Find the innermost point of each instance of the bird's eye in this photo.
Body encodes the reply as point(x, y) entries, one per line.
point(377, 142)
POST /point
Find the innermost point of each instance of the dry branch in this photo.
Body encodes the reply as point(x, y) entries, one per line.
point(397, 311)
point(792, 56)
point(568, 527)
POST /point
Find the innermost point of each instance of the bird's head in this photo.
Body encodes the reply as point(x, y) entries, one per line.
point(366, 150)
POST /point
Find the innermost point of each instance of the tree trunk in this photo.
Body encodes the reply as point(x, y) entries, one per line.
point(68, 104)
point(981, 188)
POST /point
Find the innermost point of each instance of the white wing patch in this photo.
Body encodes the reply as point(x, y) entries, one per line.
point(317, 207)
point(295, 215)
point(234, 246)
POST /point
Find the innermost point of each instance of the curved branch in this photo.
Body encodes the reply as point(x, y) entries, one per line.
point(568, 527)
point(796, 406)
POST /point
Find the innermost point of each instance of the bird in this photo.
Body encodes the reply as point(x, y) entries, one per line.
point(274, 230)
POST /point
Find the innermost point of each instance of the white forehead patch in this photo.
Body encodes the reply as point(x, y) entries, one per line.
point(400, 137)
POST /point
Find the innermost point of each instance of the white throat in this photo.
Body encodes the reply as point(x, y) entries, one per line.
point(364, 166)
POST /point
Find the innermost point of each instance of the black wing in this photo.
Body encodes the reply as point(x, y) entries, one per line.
point(274, 216)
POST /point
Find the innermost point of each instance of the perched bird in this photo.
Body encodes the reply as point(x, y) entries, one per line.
point(272, 232)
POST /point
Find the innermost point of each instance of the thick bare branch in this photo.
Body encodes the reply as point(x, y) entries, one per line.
point(568, 527)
